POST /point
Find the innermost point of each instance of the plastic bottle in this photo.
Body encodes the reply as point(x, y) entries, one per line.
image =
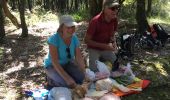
point(40, 94)
point(128, 71)
point(37, 95)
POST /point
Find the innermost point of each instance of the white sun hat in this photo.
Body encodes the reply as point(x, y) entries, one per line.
point(67, 20)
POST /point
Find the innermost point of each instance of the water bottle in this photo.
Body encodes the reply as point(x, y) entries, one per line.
point(129, 72)
point(37, 95)
point(40, 94)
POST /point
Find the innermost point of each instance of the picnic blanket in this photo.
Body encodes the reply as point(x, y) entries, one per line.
point(141, 84)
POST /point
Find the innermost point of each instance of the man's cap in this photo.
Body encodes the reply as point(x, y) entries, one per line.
point(110, 3)
point(67, 20)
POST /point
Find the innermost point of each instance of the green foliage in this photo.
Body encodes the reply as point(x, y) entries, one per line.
point(128, 2)
point(81, 15)
point(159, 14)
point(158, 19)
point(160, 9)
point(128, 11)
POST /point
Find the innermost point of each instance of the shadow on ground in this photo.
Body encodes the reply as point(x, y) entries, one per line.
point(21, 63)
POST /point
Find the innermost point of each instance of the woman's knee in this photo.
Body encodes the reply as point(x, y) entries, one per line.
point(54, 78)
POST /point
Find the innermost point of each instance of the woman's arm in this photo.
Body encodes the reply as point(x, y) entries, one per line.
point(80, 60)
point(58, 67)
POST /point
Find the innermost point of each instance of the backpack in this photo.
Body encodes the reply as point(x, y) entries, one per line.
point(126, 45)
point(162, 35)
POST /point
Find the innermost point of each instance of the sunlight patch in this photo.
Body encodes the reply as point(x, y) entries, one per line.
point(32, 64)
point(149, 68)
point(15, 68)
point(11, 94)
point(159, 67)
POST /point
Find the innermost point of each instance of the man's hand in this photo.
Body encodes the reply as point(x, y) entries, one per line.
point(110, 47)
point(115, 47)
point(71, 83)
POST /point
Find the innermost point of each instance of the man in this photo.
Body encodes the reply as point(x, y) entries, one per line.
point(100, 36)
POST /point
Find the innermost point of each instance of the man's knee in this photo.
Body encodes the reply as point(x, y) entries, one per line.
point(80, 78)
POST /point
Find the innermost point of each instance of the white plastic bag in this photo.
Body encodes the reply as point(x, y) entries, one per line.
point(90, 74)
point(104, 84)
point(95, 94)
point(110, 97)
point(108, 84)
point(59, 93)
point(102, 67)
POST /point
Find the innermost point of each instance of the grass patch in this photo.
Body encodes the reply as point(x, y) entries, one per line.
point(156, 93)
point(154, 69)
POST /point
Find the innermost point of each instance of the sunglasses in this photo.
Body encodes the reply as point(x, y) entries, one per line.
point(68, 53)
point(71, 27)
point(114, 8)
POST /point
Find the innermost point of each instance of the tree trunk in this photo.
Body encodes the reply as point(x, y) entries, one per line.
point(121, 2)
point(95, 7)
point(149, 7)
point(47, 4)
point(71, 4)
point(86, 4)
point(68, 6)
point(9, 15)
point(13, 4)
point(22, 17)
point(44, 4)
point(99, 7)
point(30, 5)
point(76, 3)
point(52, 2)
point(2, 30)
point(56, 5)
point(141, 17)
point(62, 6)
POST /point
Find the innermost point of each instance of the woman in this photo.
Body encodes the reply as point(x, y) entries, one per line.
point(64, 65)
